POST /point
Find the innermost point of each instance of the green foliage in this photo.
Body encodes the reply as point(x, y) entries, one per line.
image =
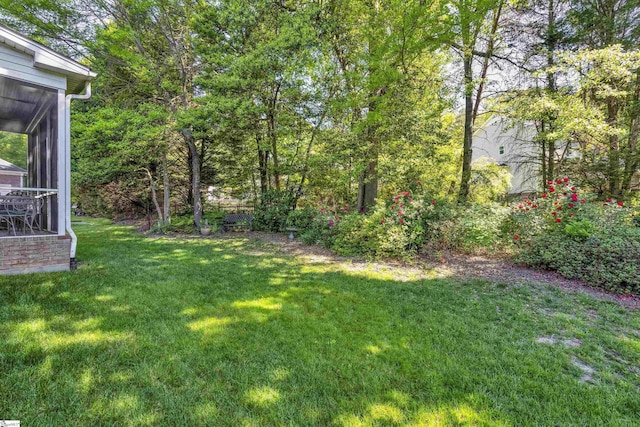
point(321, 231)
point(301, 218)
point(610, 261)
point(489, 182)
point(582, 228)
point(273, 211)
point(13, 148)
point(596, 242)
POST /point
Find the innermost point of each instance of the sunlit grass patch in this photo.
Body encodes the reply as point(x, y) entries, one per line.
point(153, 331)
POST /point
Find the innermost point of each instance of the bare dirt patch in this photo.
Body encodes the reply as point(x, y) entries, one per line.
point(587, 371)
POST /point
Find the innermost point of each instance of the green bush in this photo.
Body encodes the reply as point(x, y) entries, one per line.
point(273, 210)
point(611, 262)
point(301, 218)
point(581, 228)
point(321, 231)
point(572, 233)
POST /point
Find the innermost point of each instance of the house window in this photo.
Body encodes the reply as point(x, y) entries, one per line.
point(501, 149)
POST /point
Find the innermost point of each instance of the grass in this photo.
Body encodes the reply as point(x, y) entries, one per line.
point(162, 331)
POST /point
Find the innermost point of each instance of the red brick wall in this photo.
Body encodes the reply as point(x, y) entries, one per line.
point(34, 254)
point(12, 180)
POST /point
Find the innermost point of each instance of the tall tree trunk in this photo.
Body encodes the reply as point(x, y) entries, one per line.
point(361, 189)
point(273, 140)
point(468, 128)
point(485, 61)
point(262, 164)
point(190, 170)
point(195, 177)
point(551, 86)
point(545, 175)
point(166, 217)
point(154, 195)
point(371, 185)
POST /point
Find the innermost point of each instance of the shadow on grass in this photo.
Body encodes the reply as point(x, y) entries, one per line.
point(201, 332)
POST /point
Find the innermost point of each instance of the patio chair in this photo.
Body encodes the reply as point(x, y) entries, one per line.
point(18, 209)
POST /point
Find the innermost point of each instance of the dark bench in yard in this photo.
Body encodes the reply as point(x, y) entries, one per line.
point(237, 221)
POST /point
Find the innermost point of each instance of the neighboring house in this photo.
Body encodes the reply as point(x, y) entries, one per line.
point(11, 175)
point(512, 147)
point(36, 89)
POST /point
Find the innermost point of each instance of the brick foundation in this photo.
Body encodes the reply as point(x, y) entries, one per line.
point(34, 254)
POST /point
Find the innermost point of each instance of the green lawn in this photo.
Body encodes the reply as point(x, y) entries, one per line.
point(162, 331)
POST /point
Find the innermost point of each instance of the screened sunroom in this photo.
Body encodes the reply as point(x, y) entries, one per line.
point(37, 86)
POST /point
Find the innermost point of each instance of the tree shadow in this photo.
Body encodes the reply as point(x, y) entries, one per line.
point(205, 332)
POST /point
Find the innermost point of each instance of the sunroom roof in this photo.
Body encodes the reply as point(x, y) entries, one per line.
point(46, 59)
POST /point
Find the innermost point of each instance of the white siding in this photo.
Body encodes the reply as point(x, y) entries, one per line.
point(20, 66)
point(519, 152)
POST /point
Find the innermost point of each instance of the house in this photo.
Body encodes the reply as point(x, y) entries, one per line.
point(510, 146)
point(11, 175)
point(37, 86)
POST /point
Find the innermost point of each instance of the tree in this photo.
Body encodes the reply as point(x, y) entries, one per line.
point(13, 148)
point(473, 25)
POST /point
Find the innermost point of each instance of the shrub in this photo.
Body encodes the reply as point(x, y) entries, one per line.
point(273, 210)
point(301, 218)
point(572, 233)
point(609, 262)
point(321, 230)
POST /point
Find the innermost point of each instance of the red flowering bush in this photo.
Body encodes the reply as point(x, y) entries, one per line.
point(571, 232)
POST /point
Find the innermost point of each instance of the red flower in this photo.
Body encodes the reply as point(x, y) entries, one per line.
point(393, 207)
point(402, 205)
point(558, 220)
point(571, 215)
point(583, 201)
point(559, 208)
point(516, 237)
point(520, 207)
point(400, 213)
point(620, 203)
point(558, 181)
point(552, 189)
point(544, 195)
point(402, 221)
point(550, 182)
point(554, 213)
point(566, 179)
point(535, 206)
point(574, 197)
point(573, 188)
point(609, 200)
point(419, 183)
point(433, 202)
point(571, 205)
